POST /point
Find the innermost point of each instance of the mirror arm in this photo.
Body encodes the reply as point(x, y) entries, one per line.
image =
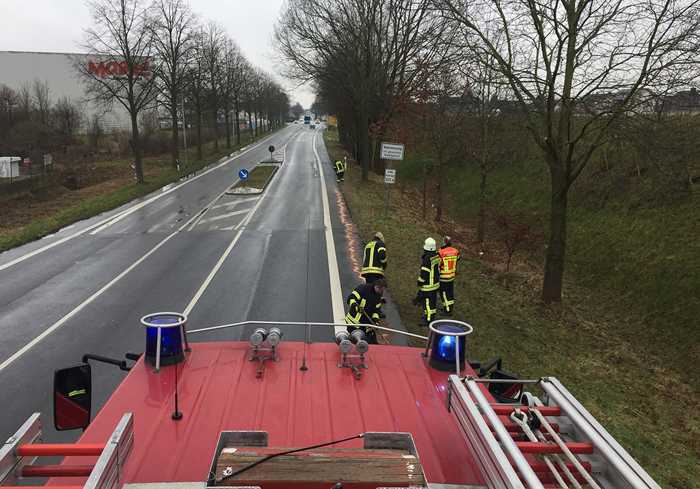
point(99, 358)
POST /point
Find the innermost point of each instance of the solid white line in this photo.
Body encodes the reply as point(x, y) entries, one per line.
point(87, 301)
point(224, 216)
point(112, 218)
point(333, 274)
point(225, 254)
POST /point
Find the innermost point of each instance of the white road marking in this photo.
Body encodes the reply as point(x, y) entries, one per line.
point(224, 216)
point(225, 254)
point(112, 218)
point(88, 301)
point(235, 203)
point(333, 274)
point(158, 196)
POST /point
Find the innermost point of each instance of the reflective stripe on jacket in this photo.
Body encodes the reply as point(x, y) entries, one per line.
point(429, 275)
point(449, 256)
point(363, 305)
point(374, 258)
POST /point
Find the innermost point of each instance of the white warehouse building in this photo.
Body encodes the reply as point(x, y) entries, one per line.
point(19, 68)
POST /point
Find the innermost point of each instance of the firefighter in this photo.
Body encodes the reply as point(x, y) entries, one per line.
point(364, 308)
point(374, 259)
point(449, 256)
point(340, 170)
point(428, 281)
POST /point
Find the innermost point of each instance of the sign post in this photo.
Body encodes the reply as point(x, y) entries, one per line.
point(390, 152)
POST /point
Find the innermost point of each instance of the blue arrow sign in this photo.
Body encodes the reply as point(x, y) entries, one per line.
point(243, 174)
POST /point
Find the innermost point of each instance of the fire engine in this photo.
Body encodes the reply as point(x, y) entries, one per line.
point(274, 414)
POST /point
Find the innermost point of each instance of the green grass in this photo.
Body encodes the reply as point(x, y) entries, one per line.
point(626, 380)
point(95, 205)
point(258, 177)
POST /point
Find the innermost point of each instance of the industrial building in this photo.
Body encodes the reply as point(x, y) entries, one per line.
point(58, 70)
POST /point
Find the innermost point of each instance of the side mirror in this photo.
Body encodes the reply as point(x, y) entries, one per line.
point(72, 397)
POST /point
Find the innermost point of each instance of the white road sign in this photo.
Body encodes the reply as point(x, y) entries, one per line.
point(389, 176)
point(391, 151)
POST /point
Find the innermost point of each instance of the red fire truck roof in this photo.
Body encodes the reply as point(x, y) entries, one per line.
point(218, 391)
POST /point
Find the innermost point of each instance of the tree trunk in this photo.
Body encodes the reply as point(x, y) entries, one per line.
point(438, 192)
point(227, 117)
point(237, 121)
point(250, 126)
point(215, 119)
point(481, 224)
point(554, 261)
point(200, 155)
point(136, 147)
point(425, 190)
point(174, 143)
point(364, 143)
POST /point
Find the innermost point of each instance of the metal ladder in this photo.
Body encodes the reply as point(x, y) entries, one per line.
point(20, 452)
point(564, 448)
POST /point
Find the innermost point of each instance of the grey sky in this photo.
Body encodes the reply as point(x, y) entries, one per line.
point(57, 25)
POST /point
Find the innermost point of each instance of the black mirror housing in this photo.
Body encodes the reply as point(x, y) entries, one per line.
point(72, 397)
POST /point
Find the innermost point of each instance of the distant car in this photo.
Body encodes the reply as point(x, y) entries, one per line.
point(312, 126)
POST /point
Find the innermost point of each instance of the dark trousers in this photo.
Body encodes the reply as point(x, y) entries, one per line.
point(370, 278)
point(447, 295)
point(340, 175)
point(428, 302)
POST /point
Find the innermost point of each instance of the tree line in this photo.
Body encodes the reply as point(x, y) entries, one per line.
point(169, 57)
point(478, 80)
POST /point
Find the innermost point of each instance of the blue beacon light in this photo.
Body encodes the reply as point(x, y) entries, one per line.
point(164, 338)
point(443, 351)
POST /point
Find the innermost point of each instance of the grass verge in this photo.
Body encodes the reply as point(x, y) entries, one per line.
point(259, 177)
point(105, 197)
point(644, 402)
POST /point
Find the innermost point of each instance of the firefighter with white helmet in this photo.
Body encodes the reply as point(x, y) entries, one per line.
point(428, 281)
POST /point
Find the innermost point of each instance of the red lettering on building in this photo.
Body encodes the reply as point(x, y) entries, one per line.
point(104, 69)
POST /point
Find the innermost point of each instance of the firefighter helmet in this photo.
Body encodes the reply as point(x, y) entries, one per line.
point(429, 244)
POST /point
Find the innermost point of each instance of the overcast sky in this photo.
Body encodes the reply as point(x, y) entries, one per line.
point(57, 26)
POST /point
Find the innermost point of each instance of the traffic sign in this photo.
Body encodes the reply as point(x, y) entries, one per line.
point(391, 151)
point(389, 176)
point(271, 149)
point(243, 174)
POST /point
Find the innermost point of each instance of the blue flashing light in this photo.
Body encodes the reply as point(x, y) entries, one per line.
point(444, 349)
point(170, 326)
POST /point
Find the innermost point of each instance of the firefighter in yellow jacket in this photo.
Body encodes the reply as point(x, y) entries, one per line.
point(374, 259)
point(428, 281)
point(364, 308)
point(449, 256)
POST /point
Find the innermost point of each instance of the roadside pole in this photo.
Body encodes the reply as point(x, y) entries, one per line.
point(390, 152)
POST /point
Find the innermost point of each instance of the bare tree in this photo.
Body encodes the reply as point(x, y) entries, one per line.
point(67, 116)
point(120, 70)
point(214, 39)
point(365, 56)
point(297, 110)
point(173, 28)
point(231, 81)
point(575, 67)
point(195, 80)
point(42, 100)
point(443, 110)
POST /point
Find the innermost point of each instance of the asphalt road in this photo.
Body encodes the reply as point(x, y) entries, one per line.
point(187, 247)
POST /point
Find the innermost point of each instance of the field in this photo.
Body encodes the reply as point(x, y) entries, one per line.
point(625, 340)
